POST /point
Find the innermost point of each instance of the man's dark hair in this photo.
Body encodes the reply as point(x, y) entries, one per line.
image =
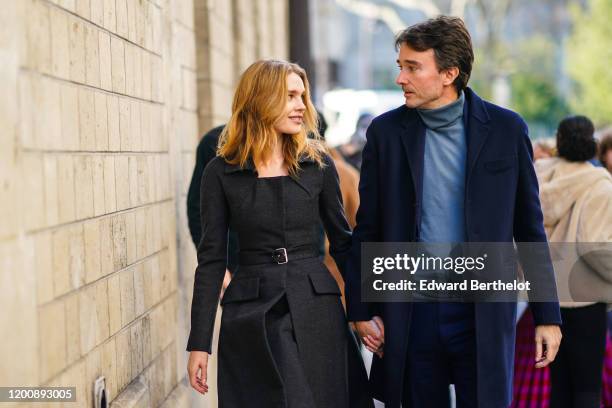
point(575, 139)
point(450, 40)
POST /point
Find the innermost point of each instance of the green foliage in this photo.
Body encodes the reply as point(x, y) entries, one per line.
point(536, 99)
point(589, 53)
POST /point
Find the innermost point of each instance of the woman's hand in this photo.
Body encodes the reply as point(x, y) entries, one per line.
point(197, 370)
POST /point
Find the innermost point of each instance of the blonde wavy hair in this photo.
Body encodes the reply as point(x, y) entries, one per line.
point(259, 103)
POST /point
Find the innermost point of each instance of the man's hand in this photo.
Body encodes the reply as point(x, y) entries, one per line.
point(196, 369)
point(548, 339)
point(372, 334)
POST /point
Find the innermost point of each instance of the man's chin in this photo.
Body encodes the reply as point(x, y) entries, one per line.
point(412, 104)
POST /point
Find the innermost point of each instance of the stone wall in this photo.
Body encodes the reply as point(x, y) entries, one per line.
point(104, 102)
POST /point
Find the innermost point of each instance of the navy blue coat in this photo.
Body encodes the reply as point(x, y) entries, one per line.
point(501, 204)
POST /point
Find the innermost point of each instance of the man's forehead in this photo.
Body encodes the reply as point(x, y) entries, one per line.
point(408, 53)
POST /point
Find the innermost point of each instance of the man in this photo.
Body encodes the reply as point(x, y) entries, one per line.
point(446, 167)
point(206, 151)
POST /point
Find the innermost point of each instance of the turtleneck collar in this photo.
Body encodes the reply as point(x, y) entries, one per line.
point(444, 116)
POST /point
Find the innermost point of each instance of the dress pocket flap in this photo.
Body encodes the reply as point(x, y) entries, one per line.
point(240, 290)
point(324, 284)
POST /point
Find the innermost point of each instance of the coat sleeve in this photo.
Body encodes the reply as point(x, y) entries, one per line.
point(212, 258)
point(333, 217)
point(529, 228)
point(366, 230)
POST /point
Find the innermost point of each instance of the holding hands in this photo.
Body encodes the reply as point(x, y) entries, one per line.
point(372, 334)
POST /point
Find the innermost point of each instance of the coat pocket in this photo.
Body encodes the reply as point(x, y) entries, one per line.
point(240, 290)
point(499, 165)
point(324, 284)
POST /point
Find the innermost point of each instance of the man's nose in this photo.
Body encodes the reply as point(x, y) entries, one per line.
point(400, 79)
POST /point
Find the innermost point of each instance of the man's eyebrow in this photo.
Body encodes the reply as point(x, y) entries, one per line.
point(406, 61)
point(412, 62)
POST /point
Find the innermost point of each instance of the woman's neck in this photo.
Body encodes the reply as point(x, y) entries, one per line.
point(274, 164)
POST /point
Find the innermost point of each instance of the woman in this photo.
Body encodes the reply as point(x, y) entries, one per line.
point(283, 338)
point(576, 202)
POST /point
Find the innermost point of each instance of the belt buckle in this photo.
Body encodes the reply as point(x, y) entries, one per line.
point(280, 257)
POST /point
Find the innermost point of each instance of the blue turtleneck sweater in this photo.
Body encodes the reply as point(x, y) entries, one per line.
point(442, 217)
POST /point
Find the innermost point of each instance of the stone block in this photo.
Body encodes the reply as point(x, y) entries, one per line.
point(92, 56)
point(118, 64)
point(106, 246)
point(73, 328)
point(97, 12)
point(139, 305)
point(110, 195)
point(126, 282)
point(129, 68)
point(87, 119)
point(110, 15)
point(122, 18)
point(124, 361)
point(51, 199)
point(77, 49)
point(83, 8)
point(141, 236)
point(130, 233)
point(133, 176)
point(49, 118)
point(98, 185)
point(38, 41)
point(66, 192)
point(60, 48)
point(135, 133)
point(83, 184)
point(69, 117)
point(43, 263)
point(131, 19)
point(106, 76)
point(108, 362)
point(114, 133)
point(93, 263)
point(122, 182)
point(114, 303)
point(52, 339)
point(146, 75)
point(101, 121)
point(125, 117)
point(33, 190)
point(119, 242)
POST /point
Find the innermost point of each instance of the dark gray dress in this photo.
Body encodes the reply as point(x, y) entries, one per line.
point(283, 340)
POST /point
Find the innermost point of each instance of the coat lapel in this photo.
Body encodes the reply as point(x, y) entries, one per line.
point(413, 140)
point(476, 123)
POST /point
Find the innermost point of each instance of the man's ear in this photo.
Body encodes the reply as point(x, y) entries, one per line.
point(450, 75)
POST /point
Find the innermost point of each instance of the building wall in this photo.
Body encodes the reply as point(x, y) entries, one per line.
point(103, 105)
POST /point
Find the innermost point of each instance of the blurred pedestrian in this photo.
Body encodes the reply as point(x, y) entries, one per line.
point(576, 202)
point(605, 149)
point(205, 152)
point(351, 151)
point(283, 338)
point(543, 149)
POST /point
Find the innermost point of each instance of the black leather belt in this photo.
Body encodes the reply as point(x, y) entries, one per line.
point(278, 256)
